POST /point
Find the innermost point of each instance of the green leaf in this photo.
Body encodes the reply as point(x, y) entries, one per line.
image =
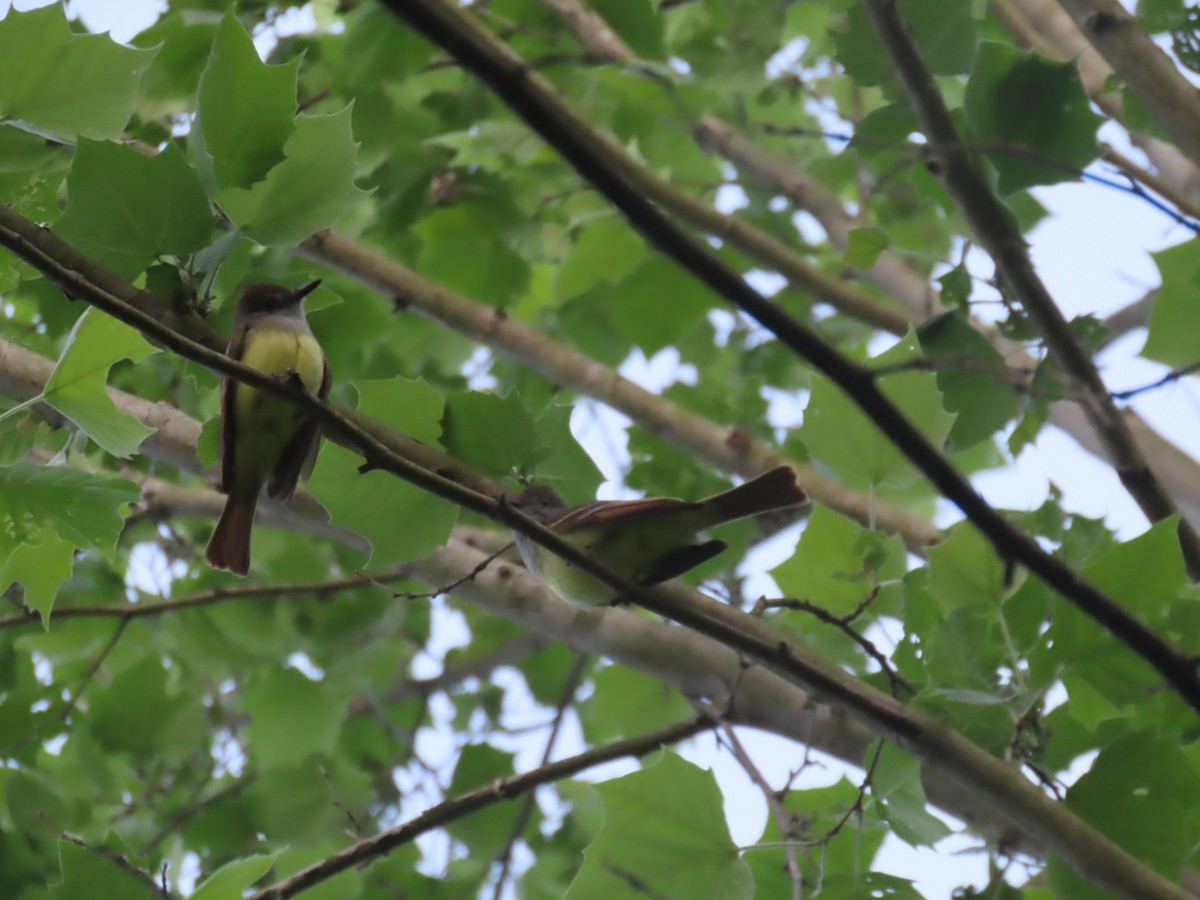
point(863, 246)
point(664, 828)
point(493, 434)
point(1022, 100)
point(41, 562)
point(487, 830)
point(981, 400)
point(59, 84)
point(840, 435)
point(83, 509)
point(231, 880)
point(401, 521)
point(1175, 316)
point(956, 287)
point(491, 145)
point(183, 44)
point(562, 462)
point(606, 249)
point(380, 48)
point(1088, 706)
point(1146, 575)
point(837, 563)
point(625, 702)
point(305, 192)
point(816, 812)
point(136, 712)
point(658, 302)
point(78, 387)
point(291, 717)
point(463, 247)
point(91, 875)
point(944, 34)
point(638, 23)
point(964, 570)
point(1140, 792)
point(896, 780)
point(34, 805)
point(246, 109)
point(125, 208)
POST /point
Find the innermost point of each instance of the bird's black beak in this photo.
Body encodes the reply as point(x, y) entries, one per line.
point(305, 289)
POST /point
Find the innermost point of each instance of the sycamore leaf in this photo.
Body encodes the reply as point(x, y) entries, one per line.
point(307, 191)
point(125, 208)
point(78, 386)
point(246, 109)
point(60, 84)
point(665, 828)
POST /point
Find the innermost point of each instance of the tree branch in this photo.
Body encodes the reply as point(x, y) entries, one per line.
point(992, 225)
point(939, 745)
point(127, 612)
point(1182, 479)
point(498, 791)
point(536, 102)
point(1148, 72)
point(756, 696)
point(725, 448)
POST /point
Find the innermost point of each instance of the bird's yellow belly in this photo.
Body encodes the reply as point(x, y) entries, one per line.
point(274, 420)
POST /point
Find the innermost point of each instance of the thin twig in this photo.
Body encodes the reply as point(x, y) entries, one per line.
point(1169, 378)
point(183, 815)
point(783, 819)
point(128, 612)
point(498, 791)
point(842, 623)
point(90, 674)
point(116, 858)
point(566, 695)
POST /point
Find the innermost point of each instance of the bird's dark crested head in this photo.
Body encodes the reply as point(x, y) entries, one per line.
point(538, 502)
point(257, 299)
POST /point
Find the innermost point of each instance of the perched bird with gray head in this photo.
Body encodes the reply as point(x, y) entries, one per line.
point(265, 438)
point(646, 541)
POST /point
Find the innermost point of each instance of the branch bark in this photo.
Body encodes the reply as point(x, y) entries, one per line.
point(695, 665)
point(1145, 68)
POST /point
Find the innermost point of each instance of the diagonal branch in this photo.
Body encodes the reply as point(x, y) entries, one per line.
point(725, 448)
point(937, 744)
point(694, 664)
point(749, 693)
point(498, 791)
point(532, 97)
point(891, 273)
point(992, 225)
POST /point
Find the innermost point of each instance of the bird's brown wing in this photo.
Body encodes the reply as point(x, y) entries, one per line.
point(612, 512)
point(300, 455)
point(227, 430)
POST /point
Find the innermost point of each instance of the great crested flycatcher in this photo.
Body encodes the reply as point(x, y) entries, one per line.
point(646, 541)
point(263, 437)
